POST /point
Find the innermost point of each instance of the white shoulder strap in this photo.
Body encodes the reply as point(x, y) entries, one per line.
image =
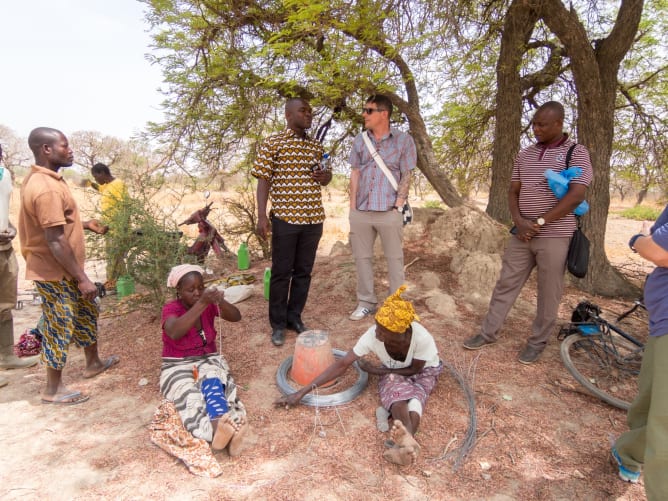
point(379, 160)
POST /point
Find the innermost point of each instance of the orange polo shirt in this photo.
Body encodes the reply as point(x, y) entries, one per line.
point(46, 202)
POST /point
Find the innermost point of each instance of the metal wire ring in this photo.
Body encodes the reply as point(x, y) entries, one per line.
point(340, 398)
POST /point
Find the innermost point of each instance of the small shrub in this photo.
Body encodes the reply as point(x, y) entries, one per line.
point(641, 213)
point(432, 204)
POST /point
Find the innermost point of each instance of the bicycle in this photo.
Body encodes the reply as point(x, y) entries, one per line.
point(601, 356)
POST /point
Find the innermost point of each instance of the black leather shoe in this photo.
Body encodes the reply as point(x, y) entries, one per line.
point(297, 326)
point(278, 337)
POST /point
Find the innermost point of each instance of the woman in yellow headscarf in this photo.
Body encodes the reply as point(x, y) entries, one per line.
point(409, 370)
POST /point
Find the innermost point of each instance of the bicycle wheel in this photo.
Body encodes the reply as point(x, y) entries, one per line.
point(607, 365)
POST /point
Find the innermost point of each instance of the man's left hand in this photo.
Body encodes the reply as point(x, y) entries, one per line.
point(96, 227)
point(323, 177)
point(7, 236)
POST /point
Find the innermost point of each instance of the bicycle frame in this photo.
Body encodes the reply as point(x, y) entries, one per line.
point(601, 356)
point(594, 328)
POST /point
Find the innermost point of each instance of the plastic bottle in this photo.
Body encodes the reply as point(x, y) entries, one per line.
point(267, 282)
point(325, 162)
point(243, 258)
point(125, 285)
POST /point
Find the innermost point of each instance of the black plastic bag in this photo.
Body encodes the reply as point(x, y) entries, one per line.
point(577, 260)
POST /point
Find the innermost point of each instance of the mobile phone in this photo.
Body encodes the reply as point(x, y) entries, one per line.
point(513, 230)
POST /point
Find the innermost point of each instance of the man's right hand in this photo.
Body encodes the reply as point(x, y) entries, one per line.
point(527, 229)
point(263, 226)
point(88, 289)
point(288, 401)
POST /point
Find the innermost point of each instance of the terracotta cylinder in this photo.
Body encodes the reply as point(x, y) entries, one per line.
point(313, 354)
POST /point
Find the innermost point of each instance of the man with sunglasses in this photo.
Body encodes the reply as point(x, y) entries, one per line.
point(375, 205)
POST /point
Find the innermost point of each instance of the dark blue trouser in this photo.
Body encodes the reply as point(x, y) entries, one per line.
point(293, 248)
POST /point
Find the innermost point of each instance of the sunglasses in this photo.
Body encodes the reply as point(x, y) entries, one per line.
point(369, 111)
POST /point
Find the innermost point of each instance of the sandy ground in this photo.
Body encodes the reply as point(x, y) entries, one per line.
point(538, 436)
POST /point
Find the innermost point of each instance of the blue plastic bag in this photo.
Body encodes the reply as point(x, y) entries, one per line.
point(558, 183)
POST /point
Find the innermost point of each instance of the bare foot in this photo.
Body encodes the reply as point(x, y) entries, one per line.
point(225, 429)
point(99, 368)
point(239, 442)
point(402, 437)
point(403, 456)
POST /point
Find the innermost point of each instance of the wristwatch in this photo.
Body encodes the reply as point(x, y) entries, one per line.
point(632, 242)
point(540, 221)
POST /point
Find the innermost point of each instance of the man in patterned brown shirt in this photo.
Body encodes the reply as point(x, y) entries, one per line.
point(288, 173)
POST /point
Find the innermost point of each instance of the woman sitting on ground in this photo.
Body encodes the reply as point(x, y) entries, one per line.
point(193, 374)
point(409, 372)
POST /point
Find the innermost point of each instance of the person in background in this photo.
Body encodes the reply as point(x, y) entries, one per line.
point(114, 194)
point(375, 206)
point(645, 445)
point(543, 229)
point(410, 367)
point(194, 375)
point(52, 243)
point(9, 273)
point(288, 171)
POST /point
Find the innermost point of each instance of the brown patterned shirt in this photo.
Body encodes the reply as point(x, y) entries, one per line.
point(285, 161)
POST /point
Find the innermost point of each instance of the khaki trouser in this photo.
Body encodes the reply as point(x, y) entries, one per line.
point(519, 259)
point(646, 442)
point(9, 271)
point(364, 227)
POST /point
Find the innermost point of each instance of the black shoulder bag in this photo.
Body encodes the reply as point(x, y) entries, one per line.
point(577, 260)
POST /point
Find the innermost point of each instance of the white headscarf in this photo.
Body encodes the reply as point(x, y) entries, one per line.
point(178, 272)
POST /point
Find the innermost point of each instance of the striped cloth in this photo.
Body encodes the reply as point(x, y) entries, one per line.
point(285, 161)
point(178, 385)
point(536, 197)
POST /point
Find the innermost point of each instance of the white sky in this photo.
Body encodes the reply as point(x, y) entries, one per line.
point(77, 65)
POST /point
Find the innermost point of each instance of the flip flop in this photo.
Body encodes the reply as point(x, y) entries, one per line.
point(108, 363)
point(76, 397)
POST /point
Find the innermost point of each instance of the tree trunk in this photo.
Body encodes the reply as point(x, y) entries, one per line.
point(426, 160)
point(517, 29)
point(641, 196)
point(595, 68)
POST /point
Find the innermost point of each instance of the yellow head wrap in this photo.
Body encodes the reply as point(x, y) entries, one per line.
point(396, 314)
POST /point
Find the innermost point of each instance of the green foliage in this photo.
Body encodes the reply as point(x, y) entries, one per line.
point(244, 227)
point(141, 242)
point(641, 213)
point(153, 252)
point(433, 204)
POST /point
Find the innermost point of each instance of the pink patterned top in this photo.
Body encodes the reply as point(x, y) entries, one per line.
point(193, 343)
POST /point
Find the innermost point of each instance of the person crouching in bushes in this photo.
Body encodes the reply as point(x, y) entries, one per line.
point(409, 370)
point(194, 375)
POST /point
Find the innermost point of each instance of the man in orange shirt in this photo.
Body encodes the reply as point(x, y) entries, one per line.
point(52, 243)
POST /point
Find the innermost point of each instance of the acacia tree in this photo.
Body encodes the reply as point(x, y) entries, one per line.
point(229, 64)
point(15, 152)
point(595, 66)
